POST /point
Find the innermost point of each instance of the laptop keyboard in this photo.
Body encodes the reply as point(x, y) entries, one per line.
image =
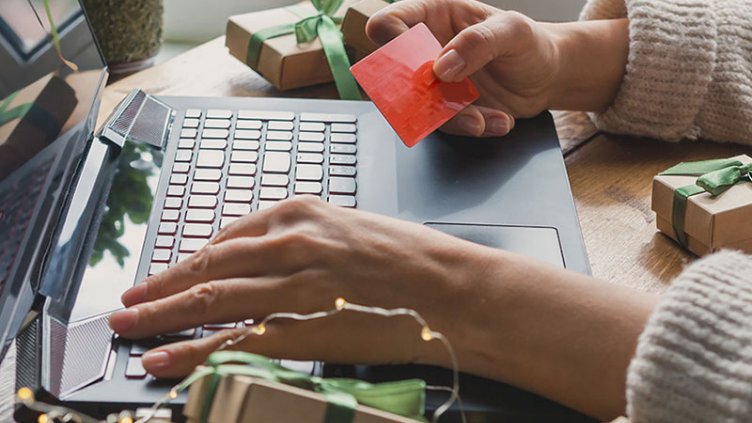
point(231, 163)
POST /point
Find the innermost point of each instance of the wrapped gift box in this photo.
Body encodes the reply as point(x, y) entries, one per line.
point(246, 399)
point(282, 61)
point(711, 222)
point(354, 26)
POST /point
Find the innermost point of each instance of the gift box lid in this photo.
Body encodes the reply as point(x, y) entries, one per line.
point(715, 221)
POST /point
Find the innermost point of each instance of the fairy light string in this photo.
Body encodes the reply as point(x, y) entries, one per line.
point(427, 334)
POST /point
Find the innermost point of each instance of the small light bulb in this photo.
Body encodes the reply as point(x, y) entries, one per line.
point(43, 418)
point(172, 394)
point(426, 334)
point(25, 394)
point(340, 303)
point(126, 419)
point(260, 329)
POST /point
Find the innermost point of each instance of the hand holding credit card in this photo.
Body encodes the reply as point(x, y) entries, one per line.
point(399, 79)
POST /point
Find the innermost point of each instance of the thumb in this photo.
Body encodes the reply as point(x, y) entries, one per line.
point(476, 46)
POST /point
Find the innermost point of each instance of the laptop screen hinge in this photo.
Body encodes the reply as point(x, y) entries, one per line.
point(139, 118)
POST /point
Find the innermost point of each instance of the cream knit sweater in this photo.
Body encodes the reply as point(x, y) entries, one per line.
point(689, 75)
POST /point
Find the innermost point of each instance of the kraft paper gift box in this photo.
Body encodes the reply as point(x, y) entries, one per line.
point(31, 119)
point(282, 61)
point(711, 222)
point(354, 26)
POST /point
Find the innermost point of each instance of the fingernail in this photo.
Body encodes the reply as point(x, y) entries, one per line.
point(497, 126)
point(135, 295)
point(469, 125)
point(124, 320)
point(448, 66)
point(155, 360)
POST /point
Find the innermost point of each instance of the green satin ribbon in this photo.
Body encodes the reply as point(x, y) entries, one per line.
point(715, 176)
point(405, 398)
point(324, 26)
point(14, 113)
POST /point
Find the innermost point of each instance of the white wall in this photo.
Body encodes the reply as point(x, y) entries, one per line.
point(195, 21)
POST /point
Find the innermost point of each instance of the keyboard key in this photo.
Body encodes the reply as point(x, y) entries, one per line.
point(191, 245)
point(199, 216)
point(237, 169)
point(280, 126)
point(276, 162)
point(342, 200)
point(190, 123)
point(310, 158)
point(164, 241)
point(263, 205)
point(210, 158)
point(342, 171)
point(313, 126)
point(328, 117)
point(212, 175)
point(170, 215)
point(173, 202)
point(226, 221)
point(337, 159)
point(310, 147)
point(236, 209)
point(265, 115)
point(175, 191)
point(344, 127)
point(244, 157)
point(181, 168)
point(218, 114)
point(308, 172)
point(308, 188)
point(248, 124)
point(240, 182)
point(183, 257)
point(217, 123)
point(215, 133)
point(307, 367)
point(343, 138)
point(213, 144)
point(186, 143)
point(205, 188)
point(155, 268)
point(202, 202)
point(278, 146)
point(134, 369)
point(246, 134)
point(220, 326)
point(245, 145)
point(238, 195)
point(188, 133)
point(167, 228)
point(188, 333)
point(279, 135)
point(341, 185)
point(183, 156)
point(193, 113)
point(343, 149)
point(161, 255)
point(272, 180)
point(269, 193)
point(197, 230)
point(179, 179)
point(311, 136)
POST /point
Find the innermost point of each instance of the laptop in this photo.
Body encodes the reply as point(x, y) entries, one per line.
point(85, 215)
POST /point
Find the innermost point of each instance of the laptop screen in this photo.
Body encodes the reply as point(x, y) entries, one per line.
point(48, 94)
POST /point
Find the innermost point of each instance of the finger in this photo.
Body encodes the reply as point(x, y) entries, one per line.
point(252, 224)
point(477, 45)
point(479, 121)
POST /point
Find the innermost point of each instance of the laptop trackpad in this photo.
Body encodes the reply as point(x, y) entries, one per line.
point(537, 242)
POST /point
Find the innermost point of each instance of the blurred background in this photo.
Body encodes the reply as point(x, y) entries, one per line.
point(188, 23)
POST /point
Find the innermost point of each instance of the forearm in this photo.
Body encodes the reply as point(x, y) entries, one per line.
point(560, 334)
point(592, 60)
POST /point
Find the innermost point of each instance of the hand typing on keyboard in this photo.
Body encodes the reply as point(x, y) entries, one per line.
point(299, 256)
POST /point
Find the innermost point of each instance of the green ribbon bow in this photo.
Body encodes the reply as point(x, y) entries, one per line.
point(14, 113)
point(324, 26)
point(405, 398)
point(715, 177)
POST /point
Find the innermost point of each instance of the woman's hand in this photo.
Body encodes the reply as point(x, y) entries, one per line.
point(299, 257)
point(521, 67)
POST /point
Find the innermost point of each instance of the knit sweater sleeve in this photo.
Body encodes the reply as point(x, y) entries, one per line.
point(689, 70)
point(694, 359)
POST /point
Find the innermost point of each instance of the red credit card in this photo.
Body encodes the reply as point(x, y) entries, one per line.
point(399, 79)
